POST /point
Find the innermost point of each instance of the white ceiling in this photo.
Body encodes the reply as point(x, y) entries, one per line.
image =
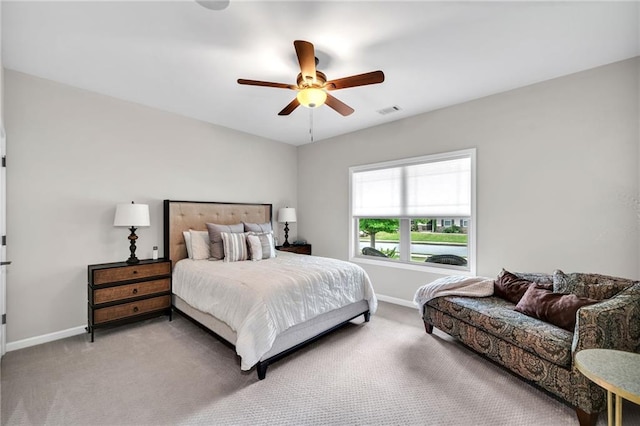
point(181, 57)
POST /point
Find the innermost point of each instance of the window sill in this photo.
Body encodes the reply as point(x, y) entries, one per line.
point(442, 270)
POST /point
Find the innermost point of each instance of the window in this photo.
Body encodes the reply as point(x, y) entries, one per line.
point(417, 212)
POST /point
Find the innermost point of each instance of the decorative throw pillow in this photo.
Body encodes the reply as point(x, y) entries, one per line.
point(235, 246)
point(536, 277)
point(267, 246)
point(255, 247)
point(200, 245)
point(217, 250)
point(187, 243)
point(554, 308)
point(257, 227)
point(510, 286)
point(595, 286)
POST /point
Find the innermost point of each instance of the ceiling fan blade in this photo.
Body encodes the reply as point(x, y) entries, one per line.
point(266, 84)
point(338, 105)
point(373, 77)
point(307, 59)
point(289, 108)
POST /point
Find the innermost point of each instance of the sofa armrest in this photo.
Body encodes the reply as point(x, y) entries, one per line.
point(611, 324)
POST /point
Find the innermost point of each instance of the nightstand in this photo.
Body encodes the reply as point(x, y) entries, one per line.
point(300, 249)
point(120, 292)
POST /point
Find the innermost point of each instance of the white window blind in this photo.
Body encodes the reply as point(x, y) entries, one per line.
point(439, 189)
point(377, 192)
point(430, 189)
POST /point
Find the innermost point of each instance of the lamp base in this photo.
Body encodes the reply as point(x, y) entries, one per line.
point(286, 235)
point(132, 247)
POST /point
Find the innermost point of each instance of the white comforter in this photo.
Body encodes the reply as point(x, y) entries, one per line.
point(259, 300)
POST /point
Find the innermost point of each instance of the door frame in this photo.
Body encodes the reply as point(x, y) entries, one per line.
point(3, 246)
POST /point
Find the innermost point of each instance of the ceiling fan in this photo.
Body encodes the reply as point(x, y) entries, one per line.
point(312, 85)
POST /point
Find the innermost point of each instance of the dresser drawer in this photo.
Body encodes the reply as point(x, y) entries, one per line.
point(128, 291)
point(125, 310)
point(134, 272)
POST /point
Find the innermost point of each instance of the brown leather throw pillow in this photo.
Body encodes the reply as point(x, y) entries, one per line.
point(510, 287)
point(555, 308)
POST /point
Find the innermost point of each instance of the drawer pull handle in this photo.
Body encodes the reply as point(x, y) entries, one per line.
point(135, 291)
point(135, 309)
point(135, 272)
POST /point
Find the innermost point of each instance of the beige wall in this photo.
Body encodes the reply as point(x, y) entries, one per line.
point(75, 154)
point(557, 176)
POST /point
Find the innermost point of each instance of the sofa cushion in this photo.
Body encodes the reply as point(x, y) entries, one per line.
point(555, 308)
point(511, 287)
point(497, 317)
point(594, 286)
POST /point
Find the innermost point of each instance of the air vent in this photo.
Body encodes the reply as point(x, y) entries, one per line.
point(389, 110)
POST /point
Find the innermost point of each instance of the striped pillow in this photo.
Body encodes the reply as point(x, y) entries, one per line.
point(217, 250)
point(267, 248)
point(255, 247)
point(235, 246)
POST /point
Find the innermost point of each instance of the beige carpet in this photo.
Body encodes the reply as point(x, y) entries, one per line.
point(381, 373)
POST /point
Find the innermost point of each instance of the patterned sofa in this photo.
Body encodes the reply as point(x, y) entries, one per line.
point(540, 352)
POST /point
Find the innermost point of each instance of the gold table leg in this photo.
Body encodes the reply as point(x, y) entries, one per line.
point(609, 408)
point(618, 410)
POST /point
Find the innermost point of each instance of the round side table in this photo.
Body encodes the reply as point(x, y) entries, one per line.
point(616, 371)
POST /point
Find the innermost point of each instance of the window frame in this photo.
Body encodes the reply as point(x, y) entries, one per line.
point(405, 232)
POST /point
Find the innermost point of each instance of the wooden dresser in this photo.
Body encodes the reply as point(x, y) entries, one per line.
point(119, 292)
point(300, 248)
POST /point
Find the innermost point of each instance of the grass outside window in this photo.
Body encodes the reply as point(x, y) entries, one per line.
point(426, 237)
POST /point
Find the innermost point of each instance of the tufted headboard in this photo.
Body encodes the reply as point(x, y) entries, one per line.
point(181, 216)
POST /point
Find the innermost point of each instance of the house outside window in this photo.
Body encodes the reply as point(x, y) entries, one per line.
point(417, 212)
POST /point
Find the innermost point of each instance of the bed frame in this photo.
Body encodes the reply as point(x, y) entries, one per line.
point(181, 216)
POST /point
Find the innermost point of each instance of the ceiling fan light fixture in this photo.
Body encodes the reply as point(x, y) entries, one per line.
point(311, 97)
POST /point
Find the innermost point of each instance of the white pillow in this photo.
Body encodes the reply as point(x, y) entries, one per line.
point(235, 246)
point(187, 243)
point(200, 245)
point(268, 249)
point(255, 247)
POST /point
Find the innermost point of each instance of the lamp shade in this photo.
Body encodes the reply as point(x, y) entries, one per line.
point(287, 214)
point(132, 215)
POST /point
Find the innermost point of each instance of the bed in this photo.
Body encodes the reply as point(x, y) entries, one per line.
point(265, 309)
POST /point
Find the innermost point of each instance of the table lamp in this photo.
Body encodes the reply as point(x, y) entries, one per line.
point(132, 216)
point(286, 215)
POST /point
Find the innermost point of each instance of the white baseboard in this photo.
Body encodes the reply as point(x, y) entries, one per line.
point(45, 338)
point(396, 301)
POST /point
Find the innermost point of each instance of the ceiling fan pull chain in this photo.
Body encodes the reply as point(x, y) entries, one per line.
point(311, 124)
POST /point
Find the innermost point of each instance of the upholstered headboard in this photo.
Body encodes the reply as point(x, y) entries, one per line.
point(181, 216)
